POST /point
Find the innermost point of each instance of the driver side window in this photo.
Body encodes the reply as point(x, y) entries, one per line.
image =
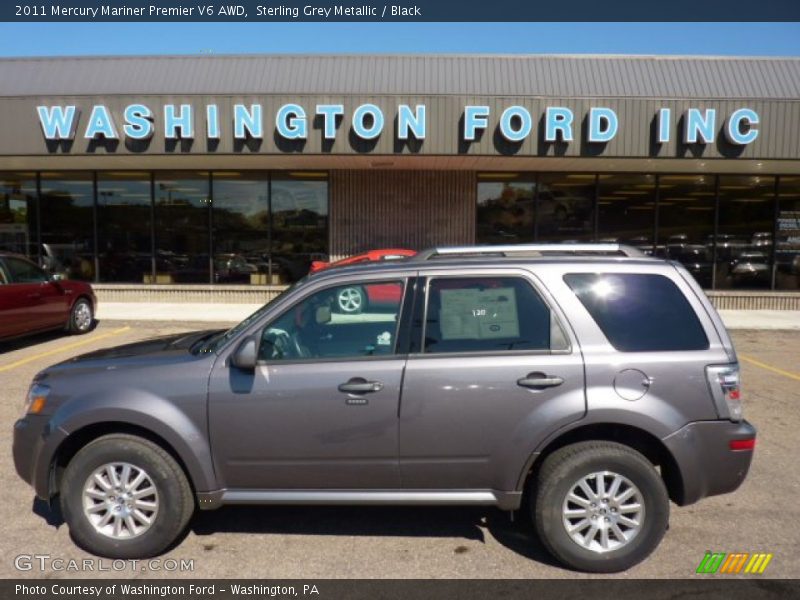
point(24, 271)
point(346, 321)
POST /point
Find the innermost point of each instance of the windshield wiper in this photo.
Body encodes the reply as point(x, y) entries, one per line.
point(203, 344)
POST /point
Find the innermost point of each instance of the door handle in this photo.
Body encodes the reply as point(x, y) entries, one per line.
point(358, 385)
point(540, 381)
point(35, 296)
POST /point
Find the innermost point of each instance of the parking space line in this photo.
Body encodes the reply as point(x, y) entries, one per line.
point(763, 365)
point(83, 342)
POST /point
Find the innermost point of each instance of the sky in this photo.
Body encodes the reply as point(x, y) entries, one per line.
point(54, 39)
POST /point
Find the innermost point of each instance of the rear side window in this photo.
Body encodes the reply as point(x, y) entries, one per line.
point(639, 312)
point(487, 314)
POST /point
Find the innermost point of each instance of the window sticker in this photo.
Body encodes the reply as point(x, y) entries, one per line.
point(384, 339)
point(479, 314)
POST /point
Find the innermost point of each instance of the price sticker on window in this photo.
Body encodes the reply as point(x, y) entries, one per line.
point(479, 314)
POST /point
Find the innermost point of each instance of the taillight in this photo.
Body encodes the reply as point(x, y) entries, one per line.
point(725, 385)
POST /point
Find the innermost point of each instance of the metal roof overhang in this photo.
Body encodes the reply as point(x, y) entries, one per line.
point(396, 162)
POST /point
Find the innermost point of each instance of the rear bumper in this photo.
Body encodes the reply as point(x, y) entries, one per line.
point(707, 464)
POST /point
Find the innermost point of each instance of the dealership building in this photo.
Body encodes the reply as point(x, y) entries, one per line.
point(214, 173)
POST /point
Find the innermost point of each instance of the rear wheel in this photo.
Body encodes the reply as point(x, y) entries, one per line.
point(599, 506)
point(81, 317)
point(125, 497)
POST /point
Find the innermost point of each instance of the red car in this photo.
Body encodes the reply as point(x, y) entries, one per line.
point(355, 299)
point(371, 256)
point(32, 301)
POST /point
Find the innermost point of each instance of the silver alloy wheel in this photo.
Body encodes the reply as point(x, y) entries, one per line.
point(120, 500)
point(82, 316)
point(350, 300)
point(603, 511)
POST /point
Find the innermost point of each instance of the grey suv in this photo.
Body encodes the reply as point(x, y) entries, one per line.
point(587, 385)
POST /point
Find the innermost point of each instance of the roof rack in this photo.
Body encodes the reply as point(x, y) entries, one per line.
point(530, 249)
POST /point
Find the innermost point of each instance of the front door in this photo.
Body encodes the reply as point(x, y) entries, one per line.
point(494, 373)
point(15, 316)
point(38, 303)
point(320, 410)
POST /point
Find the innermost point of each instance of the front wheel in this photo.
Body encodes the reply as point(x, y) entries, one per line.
point(125, 497)
point(599, 506)
point(81, 317)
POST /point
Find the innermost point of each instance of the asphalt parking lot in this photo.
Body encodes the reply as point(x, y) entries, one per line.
point(362, 542)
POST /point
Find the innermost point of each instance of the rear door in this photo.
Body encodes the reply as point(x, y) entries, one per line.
point(493, 371)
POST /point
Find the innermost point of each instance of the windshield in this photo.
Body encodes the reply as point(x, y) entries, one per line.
point(218, 341)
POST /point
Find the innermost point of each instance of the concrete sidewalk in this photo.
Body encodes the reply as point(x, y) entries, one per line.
point(176, 311)
point(233, 313)
point(761, 319)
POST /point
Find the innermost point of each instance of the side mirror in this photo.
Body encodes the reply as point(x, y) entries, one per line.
point(245, 356)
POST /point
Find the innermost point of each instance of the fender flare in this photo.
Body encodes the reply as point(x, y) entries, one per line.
point(609, 417)
point(136, 408)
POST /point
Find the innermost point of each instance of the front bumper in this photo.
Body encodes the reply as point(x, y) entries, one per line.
point(707, 465)
point(31, 458)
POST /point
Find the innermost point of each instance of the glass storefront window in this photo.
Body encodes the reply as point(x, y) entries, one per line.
point(299, 223)
point(18, 213)
point(67, 224)
point(241, 227)
point(686, 223)
point(182, 203)
point(566, 207)
point(124, 244)
point(744, 241)
point(146, 227)
point(626, 209)
point(787, 249)
point(505, 212)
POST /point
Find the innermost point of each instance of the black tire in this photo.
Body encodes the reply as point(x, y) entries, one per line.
point(556, 478)
point(78, 323)
point(175, 499)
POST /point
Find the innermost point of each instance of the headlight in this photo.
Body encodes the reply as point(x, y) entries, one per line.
point(37, 398)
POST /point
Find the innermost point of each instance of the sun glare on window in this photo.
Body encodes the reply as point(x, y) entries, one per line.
point(603, 288)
